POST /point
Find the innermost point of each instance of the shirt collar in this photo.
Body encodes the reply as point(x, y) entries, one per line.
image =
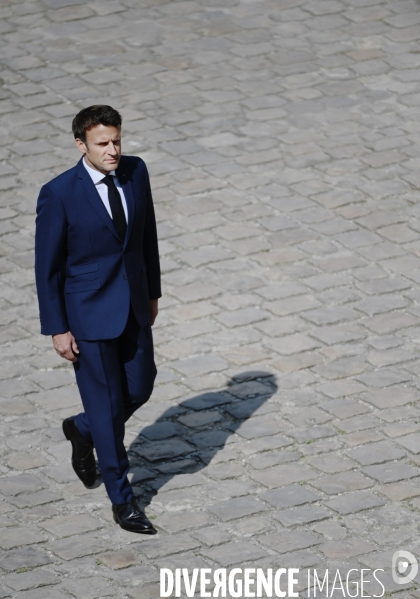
point(95, 175)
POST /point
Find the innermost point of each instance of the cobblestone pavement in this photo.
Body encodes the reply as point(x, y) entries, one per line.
point(282, 138)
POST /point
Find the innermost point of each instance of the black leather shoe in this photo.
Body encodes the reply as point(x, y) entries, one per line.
point(131, 518)
point(82, 459)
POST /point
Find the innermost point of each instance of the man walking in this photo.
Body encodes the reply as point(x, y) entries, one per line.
point(98, 282)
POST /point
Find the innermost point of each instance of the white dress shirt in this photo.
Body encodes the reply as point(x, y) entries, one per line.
point(97, 177)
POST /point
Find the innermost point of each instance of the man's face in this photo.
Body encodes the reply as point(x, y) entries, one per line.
point(102, 149)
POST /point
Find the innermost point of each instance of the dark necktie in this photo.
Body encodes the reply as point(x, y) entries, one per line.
point(117, 210)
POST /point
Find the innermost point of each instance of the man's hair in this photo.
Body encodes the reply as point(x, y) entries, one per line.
point(92, 116)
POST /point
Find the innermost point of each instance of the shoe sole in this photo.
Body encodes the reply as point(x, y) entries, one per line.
point(153, 531)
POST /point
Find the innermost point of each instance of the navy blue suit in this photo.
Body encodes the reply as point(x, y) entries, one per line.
point(98, 286)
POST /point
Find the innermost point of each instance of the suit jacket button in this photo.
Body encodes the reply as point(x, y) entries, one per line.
point(124, 276)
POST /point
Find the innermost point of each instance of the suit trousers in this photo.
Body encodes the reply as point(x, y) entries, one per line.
point(115, 377)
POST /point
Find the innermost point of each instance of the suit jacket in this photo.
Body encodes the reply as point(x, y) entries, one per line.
point(86, 276)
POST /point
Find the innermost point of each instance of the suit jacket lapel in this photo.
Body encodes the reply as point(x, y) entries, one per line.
point(94, 198)
point(129, 198)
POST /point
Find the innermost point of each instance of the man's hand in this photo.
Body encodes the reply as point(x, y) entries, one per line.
point(65, 345)
point(153, 310)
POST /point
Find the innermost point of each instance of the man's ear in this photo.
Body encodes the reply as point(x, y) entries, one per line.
point(81, 145)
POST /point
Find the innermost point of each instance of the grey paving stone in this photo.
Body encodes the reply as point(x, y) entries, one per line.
point(361, 437)
point(137, 475)
point(301, 515)
point(27, 424)
point(203, 419)
point(248, 528)
point(330, 530)
point(339, 333)
point(60, 474)
point(272, 458)
point(243, 317)
point(343, 550)
point(376, 453)
point(74, 524)
point(26, 461)
point(345, 408)
point(341, 388)
point(387, 398)
point(284, 474)
point(380, 304)
point(324, 316)
point(342, 482)
point(261, 426)
point(29, 557)
point(382, 324)
point(51, 592)
point(225, 470)
point(118, 560)
point(400, 491)
point(243, 390)
point(30, 580)
point(51, 379)
point(90, 588)
point(165, 450)
point(388, 357)
point(22, 483)
point(162, 430)
point(399, 429)
point(180, 521)
point(298, 362)
point(265, 444)
point(383, 378)
point(237, 508)
point(330, 463)
point(410, 442)
point(358, 423)
point(286, 541)
point(391, 472)
point(176, 467)
point(157, 548)
point(18, 536)
point(312, 433)
point(146, 591)
point(384, 285)
point(183, 481)
point(289, 496)
point(345, 367)
point(200, 365)
point(206, 401)
point(292, 344)
point(208, 439)
point(293, 305)
point(212, 536)
point(354, 502)
point(67, 549)
point(239, 552)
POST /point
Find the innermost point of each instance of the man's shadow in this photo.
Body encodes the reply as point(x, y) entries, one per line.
point(186, 437)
